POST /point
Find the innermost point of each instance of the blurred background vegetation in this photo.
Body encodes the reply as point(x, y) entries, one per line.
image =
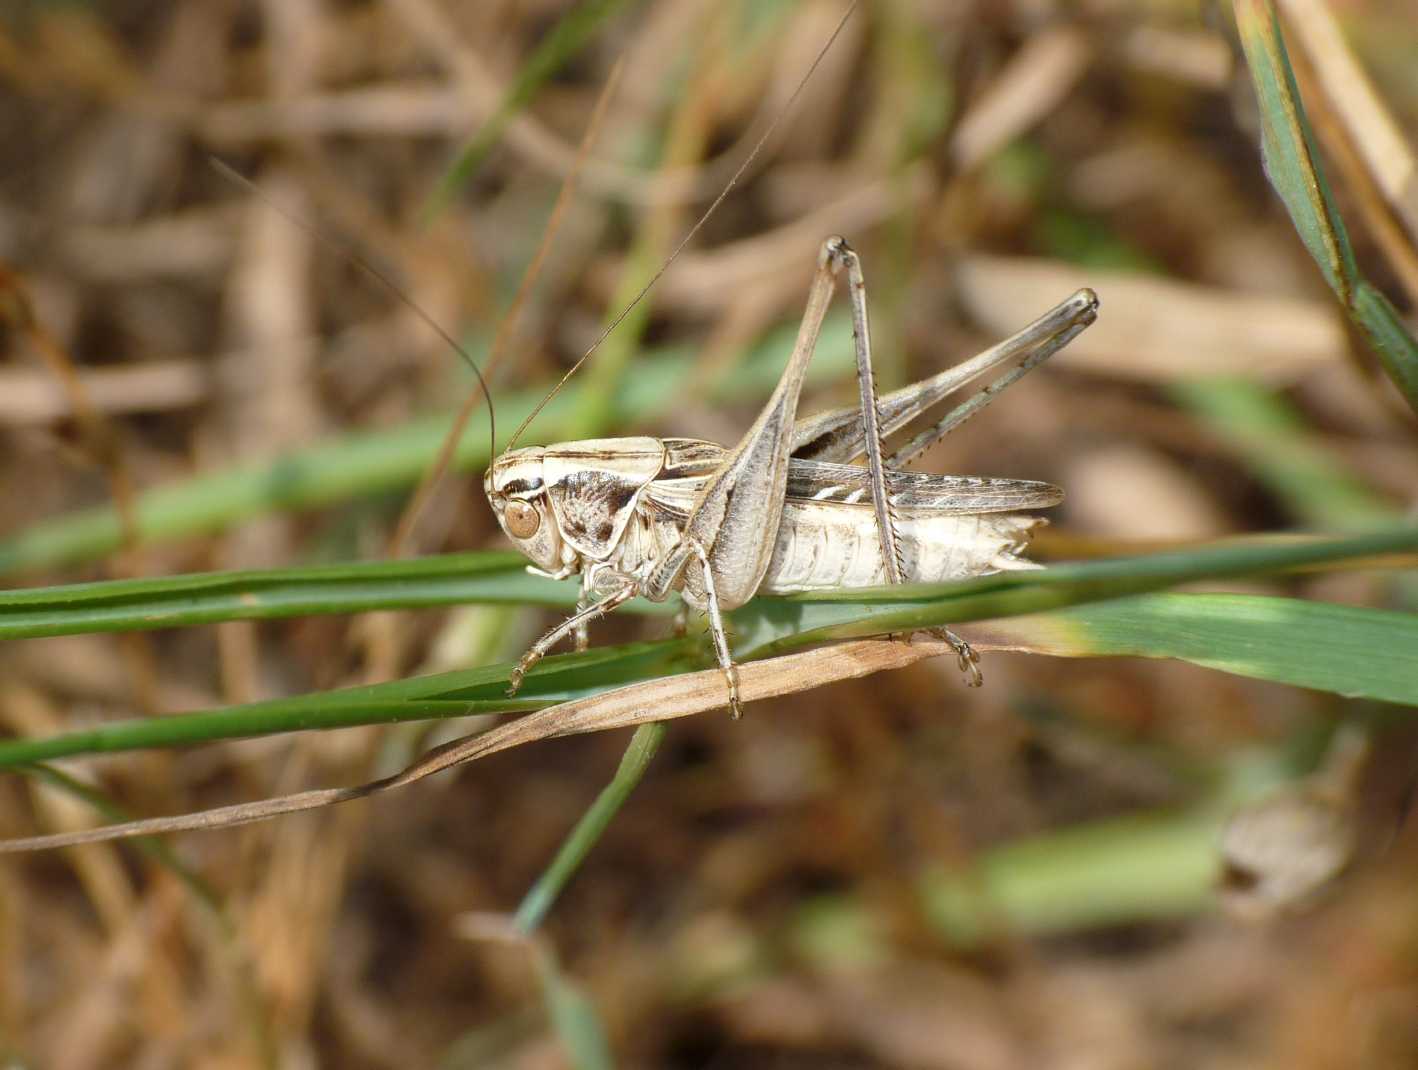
point(893, 873)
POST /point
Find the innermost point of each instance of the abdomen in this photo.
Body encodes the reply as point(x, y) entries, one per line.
point(822, 545)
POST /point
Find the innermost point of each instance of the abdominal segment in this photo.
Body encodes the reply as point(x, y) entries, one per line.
point(825, 545)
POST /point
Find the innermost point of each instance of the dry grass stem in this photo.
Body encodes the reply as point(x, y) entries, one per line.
point(654, 700)
point(1380, 141)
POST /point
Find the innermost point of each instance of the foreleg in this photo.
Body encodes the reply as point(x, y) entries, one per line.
point(617, 597)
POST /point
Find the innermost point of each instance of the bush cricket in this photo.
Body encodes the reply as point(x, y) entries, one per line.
point(784, 510)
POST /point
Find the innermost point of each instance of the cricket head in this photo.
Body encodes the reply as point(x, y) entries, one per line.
point(570, 504)
point(517, 492)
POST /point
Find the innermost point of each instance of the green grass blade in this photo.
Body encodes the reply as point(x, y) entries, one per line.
point(565, 40)
point(494, 578)
point(573, 1016)
point(1293, 167)
point(638, 754)
point(500, 578)
point(452, 694)
point(1152, 867)
point(1396, 347)
point(1346, 650)
point(1145, 867)
point(1158, 865)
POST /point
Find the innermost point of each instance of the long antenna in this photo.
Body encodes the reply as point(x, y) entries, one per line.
point(689, 236)
point(348, 251)
point(500, 347)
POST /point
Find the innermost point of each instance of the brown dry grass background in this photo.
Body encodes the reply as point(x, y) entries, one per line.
point(986, 159)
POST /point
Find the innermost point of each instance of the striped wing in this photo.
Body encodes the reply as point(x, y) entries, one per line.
point(848, 484)
point(825, 481)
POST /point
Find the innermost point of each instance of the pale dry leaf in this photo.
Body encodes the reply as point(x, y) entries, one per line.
point(1135, 492)
point(1193, 57)
point(1029, 87)
point(29, 398)
point(1159, 330)
point(653, 700)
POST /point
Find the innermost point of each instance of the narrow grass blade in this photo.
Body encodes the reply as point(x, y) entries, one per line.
point(500, 578)
point(1126, 870)
point(494, 578)
point(453, 694)
point(1147, 867)
point(1390, 338)
point(573, 1016)
point(643, 745)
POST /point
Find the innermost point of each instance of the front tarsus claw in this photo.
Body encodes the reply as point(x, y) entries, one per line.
point(965, 656)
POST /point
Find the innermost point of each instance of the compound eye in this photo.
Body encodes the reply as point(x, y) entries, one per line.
point(522, 520)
